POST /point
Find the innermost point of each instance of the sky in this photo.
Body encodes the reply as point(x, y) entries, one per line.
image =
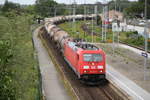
point(59, 1)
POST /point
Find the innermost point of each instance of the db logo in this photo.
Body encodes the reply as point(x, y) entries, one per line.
point(93, 67)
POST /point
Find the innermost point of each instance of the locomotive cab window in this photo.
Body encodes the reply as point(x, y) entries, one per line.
point(92, 57)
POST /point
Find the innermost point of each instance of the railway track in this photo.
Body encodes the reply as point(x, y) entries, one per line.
point(88, 31)
point(85, 28)
point(133, 46)
point(82, 91)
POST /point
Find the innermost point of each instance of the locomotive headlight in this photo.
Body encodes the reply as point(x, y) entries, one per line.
point(85, 67)
point(100, 67)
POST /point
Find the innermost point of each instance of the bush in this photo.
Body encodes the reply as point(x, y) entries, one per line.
point(18, 68)
point(7, 91)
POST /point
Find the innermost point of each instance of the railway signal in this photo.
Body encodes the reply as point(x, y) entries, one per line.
point(144, 54)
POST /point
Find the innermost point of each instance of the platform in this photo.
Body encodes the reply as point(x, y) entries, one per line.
point(136, 92)
point(127, 69)
point(139, 52)
point(53, 88)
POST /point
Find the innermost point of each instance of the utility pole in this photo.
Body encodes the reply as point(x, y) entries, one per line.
point(146, 38)
point(84, 10)
point(96, 14)
point(103, 25)
point(92, 28)
point(95, 11)
point(113, 44)
point(106, 19)
point(74, 14)
point(118, 22)
point(84, 15)
point(118, 27)
point(70, 13)
point(55, 11)
point(114, 19)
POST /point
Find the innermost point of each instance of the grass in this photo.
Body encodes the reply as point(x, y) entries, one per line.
point(126, 37)
point(68, 27)
point(23, 66)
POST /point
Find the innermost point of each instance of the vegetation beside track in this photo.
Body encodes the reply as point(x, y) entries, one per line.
point(63, 78)
point(68, 27)
point(76, 89)
point(19, 74)
point(131, 38)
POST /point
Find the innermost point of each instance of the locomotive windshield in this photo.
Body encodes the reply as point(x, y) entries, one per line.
point(92, 57)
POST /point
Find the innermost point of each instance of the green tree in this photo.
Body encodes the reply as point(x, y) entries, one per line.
point(99, 20)
point(61, 9)
point(8, 6)
point(137, 9)
point(45, 8)
point(120, 4)
point(11, 10)
point(7, 91)
point(143, 1)
point(30, 9)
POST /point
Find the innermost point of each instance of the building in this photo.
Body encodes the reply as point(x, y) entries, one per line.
point(114, 15)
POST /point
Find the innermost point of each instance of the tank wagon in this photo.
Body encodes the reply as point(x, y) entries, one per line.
point(86, 60)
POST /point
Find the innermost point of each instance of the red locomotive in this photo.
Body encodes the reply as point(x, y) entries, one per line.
point(86, 60)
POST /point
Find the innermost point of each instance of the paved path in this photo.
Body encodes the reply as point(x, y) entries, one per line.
point(136, 92)
point(133, 49)
point(52, 86)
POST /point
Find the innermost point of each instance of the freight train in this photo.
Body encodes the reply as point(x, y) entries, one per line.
point(86, 60)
